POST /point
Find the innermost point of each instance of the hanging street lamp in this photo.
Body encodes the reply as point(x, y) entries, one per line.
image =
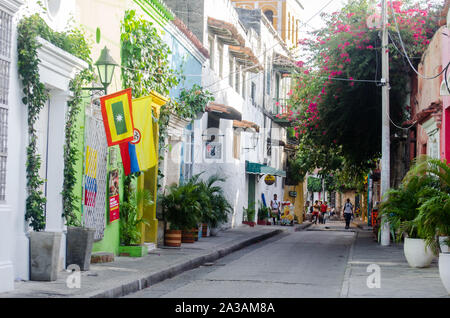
point(105, 67)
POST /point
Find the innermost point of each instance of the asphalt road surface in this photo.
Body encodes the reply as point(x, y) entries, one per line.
point(301, 264)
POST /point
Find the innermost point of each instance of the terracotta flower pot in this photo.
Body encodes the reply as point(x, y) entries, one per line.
point(188, 236)
point(173, 238)
point(205, 230)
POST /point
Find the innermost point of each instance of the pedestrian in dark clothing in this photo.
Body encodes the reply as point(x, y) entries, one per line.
point(348, 213)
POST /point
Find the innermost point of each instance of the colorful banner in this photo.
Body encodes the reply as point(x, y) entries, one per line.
point(114, 211)
point(117, 117)
point(90, 185)
point(140, 154)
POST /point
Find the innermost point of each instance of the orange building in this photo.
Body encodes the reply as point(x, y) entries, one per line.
point(284, 15)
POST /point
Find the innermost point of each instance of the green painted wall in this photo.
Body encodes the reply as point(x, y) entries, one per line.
point(110, 241)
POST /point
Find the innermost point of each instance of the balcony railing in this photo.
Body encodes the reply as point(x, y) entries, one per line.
point(281, 106)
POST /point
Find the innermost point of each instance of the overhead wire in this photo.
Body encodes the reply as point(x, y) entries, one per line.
point(406, 53)
point(266, 50)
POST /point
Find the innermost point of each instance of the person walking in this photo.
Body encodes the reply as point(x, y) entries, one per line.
point(323, 211)
point(316, 211)
point(275, 206)
point(348, 213)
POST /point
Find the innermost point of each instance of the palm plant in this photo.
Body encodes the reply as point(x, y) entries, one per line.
point(249, 214)
point(425, 165)
point(401, 206)
point(433, 218)
point(181, 206)
point(263, 212)
point(129, 220)
point(215, 206)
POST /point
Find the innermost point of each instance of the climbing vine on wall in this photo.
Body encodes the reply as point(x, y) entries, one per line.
point(70, 200)
point(35, 97)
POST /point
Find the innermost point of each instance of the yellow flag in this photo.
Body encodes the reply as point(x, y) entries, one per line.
point(141, 153)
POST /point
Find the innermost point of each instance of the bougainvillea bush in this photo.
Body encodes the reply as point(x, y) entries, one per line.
point(336, 103)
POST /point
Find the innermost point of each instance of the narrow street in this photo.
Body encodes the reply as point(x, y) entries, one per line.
point(292, 264)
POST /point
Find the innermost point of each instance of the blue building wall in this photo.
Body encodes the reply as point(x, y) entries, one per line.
point(182, 60)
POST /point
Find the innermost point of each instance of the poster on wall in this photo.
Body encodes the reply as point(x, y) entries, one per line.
point(114, 195)
point(213, 150)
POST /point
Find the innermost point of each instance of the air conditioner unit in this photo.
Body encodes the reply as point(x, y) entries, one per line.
point(444, 91)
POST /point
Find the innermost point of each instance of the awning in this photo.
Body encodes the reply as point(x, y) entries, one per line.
point(225, 112)
point(226, 32)
point(422, 116)
point(245, 124)
point(257, 168)
point(245, 56)
point(284, 64)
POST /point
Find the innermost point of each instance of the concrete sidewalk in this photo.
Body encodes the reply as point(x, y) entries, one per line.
point(398, 280)
point(127, 275)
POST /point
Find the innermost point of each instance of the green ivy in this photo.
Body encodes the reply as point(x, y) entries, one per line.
point(146, 68)
point(192, 101)
point(71, 153)
point(35, 97)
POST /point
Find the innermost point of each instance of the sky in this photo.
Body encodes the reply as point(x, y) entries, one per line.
point(314, 6)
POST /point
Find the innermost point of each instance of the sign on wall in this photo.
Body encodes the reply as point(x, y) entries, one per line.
point(269, 179)
point(213, 150)
point(114, 211)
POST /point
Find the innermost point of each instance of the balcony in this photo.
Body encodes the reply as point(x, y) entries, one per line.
point(280, 111)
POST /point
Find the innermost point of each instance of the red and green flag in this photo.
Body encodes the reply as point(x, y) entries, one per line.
point(117, 117)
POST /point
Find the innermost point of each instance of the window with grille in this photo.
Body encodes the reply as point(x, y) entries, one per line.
point(5, 61)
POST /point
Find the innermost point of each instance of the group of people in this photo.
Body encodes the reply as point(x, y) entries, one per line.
point(319, 212)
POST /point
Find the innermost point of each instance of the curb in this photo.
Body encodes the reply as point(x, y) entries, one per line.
point(302, 227)
point(346, 282)
point(147, 281)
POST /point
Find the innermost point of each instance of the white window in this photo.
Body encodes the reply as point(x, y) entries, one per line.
point(5, 61)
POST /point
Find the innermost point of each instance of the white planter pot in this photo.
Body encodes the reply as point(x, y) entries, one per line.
point(444, 270)
point(416, 254)
point(444, 248)
point(214, 231)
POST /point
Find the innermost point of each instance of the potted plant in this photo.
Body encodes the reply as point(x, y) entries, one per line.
point(263, 214)
point(249, 216)
point(44, 246)
point(79, 242)
point(214, 206)
point(79, 239)
point(130, 234)
point(181, 210)
point(434, 213)
point(401, 209)
point(192, 102)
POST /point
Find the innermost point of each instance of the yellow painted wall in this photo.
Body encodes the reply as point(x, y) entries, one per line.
point(298, 201)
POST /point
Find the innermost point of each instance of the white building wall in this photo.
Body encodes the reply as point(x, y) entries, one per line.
point(13, 207)
point(236, 187)
point(56, 69)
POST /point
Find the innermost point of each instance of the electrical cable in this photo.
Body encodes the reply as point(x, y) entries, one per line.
point(406, 54)
point(266, 50)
